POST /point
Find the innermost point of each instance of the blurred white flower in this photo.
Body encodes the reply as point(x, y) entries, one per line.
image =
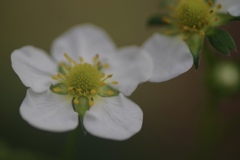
point(186, 24)
point(87, 77)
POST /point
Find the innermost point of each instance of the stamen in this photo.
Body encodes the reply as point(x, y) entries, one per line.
point(109, 76)
point(76, 101)
point(211, 11)
point(54, 77)
point(70, 88)
point(81, 59)
point(166, 20)
point(102, 84)
point(67, 57)
point(110, 93)
point(93, 91)
point(219, 6)
point(106, 65)
point(115, 82)
point(102, 75)
point(82, 79)
point(210, 3)
point(64, 66)
point(56, 89)
point(99, 64)
point(95, 58)
point(59, 75)
point(91, 103)
point(202, 34)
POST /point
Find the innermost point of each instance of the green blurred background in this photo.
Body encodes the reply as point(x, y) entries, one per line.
point(174, 111)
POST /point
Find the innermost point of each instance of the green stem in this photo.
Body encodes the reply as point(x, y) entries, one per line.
point(209, 130)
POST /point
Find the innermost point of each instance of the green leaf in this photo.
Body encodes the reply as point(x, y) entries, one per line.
point(236, 18)
point(59, 88)
point(82, 106)
point(221, 41)
point(156, 20)
point(195, 44)
point(107, 91)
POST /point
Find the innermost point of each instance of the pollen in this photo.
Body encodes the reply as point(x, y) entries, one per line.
point(82, 79)
point(190, 13)
point(193, 16)
point(56, 89)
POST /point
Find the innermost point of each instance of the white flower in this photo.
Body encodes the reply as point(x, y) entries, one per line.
point(230, 6)
point(87, 72)
point(181, 40)
point(171, 57)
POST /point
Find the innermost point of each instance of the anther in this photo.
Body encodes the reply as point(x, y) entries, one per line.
point(95, 58)
point(99, 64)
point(67, 57)
point(219, 6)
point(64, 66)
point(102, 84)
point(166, 20)
point(210, 3)
point(110, 93)
point(81, 59)
point(91, 103)
point(115, 82)
point(56, 89)
point(76, 101)
point(109, 76)
point(102, 75)
point(70, 88)
point(54, 77)
point(59, 75)
point(202, 34)
point(106, 65)
point(211, 11)
point(93, 91)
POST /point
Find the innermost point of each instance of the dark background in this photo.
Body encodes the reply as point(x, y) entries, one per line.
point(173, 110)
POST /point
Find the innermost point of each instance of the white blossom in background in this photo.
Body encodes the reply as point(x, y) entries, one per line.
point(184, 26)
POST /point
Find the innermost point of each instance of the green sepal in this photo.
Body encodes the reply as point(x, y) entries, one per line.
point(62, 70)
point(103, 91)
point(236, 18)
point(82, 106)
point(156, 20)
point(63, 88)
point(222, 41)
point(195, 45)
point(223, 18)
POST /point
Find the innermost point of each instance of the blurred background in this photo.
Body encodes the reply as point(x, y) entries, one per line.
point(193, 116)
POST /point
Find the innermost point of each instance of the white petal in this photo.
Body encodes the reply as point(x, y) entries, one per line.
point(115, 118)
point(34, 67)
point(83, 40)
point(230, 6)
point(130, 67)
point(170, 55)
point(235, 10)
point(49, 111)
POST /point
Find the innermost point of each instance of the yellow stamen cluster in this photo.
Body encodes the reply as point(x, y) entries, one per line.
point(83, 79)
point(193, 16)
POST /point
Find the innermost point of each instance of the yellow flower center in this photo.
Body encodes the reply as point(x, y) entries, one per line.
point(193, 16)
point(83, 80)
